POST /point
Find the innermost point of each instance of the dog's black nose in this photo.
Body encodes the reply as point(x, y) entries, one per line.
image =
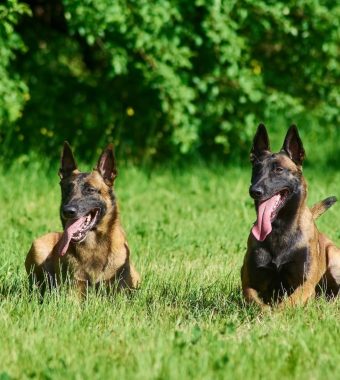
point(69, 212)
point(256, 192)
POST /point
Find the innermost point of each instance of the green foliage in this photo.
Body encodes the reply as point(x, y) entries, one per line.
point(13, 91)
point(174, 78)
point(187, 231)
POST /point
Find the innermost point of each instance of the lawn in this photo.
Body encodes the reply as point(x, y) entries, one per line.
point(187, 230)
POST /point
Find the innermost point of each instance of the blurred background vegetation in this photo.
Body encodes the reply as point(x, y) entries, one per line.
point(167, 80)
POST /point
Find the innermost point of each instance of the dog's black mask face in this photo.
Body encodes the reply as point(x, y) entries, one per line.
point(276, 177)
point(80, 198)
point(86, 197)
point(273, 174)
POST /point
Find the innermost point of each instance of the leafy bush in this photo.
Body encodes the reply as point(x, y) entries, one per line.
point(170, 78)
point(13, 91)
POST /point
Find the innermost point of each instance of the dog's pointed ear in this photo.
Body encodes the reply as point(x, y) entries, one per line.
point(293, 146)
point(67, 163)
point(261, 144)
point(107, 165)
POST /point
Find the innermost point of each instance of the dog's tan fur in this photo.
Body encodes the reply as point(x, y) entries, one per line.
point(324, 267)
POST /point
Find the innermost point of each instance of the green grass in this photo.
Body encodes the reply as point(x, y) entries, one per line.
point(187, 231)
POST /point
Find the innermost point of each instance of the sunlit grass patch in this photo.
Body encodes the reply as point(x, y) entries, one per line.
point(187, 232)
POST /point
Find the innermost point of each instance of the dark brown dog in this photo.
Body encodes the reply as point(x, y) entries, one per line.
point(287, 257)
point(93, 248)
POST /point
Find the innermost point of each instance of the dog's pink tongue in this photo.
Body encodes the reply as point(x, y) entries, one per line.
point(263, 226)
point(71, 227)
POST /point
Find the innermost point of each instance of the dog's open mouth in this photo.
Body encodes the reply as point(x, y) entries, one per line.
point(80, 227)
point(267, 212)
point(76, 230)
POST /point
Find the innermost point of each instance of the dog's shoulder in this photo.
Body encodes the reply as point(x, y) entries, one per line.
point(43, 246)
point(41, 253)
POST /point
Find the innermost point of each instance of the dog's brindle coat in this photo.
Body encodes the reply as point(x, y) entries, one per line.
point(287, 267)
point(103, 256)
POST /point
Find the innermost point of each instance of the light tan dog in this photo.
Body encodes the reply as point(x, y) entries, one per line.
point(93, 248)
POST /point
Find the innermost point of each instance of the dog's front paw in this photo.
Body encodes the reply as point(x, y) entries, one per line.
point(265, 309)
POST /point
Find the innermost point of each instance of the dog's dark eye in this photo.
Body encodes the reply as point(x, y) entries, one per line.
point(278, 170)
point(90, 190)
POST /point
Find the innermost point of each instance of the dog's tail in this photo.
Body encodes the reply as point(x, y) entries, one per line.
point(319, 208)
